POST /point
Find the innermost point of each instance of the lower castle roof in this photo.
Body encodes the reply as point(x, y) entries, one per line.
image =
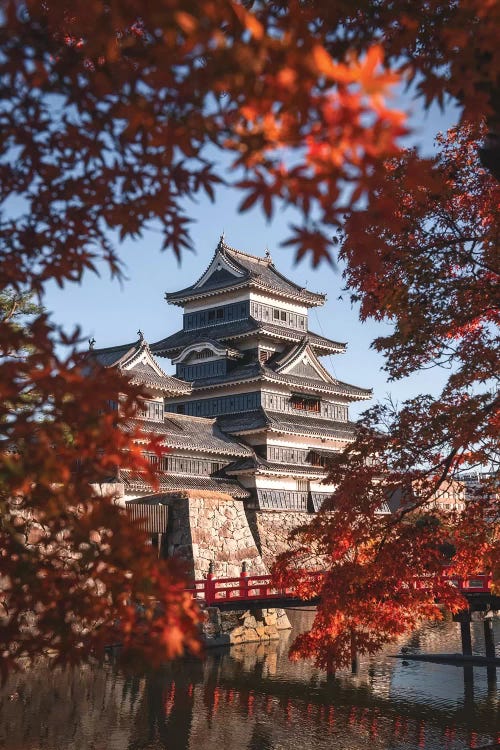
point(302, 424)
point(196, 434)
point(261, 465)
point(240, 329)
point(258, 372)
point(167, 482)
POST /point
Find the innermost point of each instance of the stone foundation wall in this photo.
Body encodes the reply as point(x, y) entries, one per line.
point(243, 626)
point(270, 530)
point(211, 527)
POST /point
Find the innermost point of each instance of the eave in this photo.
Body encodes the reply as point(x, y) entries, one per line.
point(259, 329)
point(288, 381)
point(308, 299)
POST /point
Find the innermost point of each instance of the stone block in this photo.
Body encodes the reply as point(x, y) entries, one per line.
point(250, 622)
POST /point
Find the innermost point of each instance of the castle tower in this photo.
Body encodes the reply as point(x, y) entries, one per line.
point(253, 363)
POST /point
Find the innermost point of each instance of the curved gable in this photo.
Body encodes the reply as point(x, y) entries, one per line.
point(301, 361)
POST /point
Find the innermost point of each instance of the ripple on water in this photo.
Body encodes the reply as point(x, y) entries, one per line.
point(253, 698)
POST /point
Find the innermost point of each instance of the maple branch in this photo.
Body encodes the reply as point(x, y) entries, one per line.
point(10, 313)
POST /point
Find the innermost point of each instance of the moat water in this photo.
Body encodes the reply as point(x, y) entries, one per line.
point(253, 698)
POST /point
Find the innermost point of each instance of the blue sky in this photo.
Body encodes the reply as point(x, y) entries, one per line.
point(113, 312)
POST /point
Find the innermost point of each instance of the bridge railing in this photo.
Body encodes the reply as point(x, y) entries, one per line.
point(476, 584)
point(211, 590)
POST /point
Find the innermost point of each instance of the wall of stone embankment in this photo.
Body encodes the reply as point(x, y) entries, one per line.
point(271, 529)
point(243, 626)
point(211, 527)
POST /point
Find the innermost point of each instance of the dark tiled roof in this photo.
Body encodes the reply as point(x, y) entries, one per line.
point(113, 355)
point(251, 271)
point(239, 329)
point(302, 424)
point(259, 464)
point(243, 422)
point(124, 356)
point(306, 425)
point(193, 433)
point(147, 376)
point(277, 467)
point(224, 331)
point(134, 481)
point(337, 387)
point(291, 334)
point(254, 371)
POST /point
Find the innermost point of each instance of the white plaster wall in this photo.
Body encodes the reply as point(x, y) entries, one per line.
point(217, 300)
point(271, 299)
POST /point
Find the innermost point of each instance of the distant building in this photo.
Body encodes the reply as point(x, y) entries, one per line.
point(449, 497)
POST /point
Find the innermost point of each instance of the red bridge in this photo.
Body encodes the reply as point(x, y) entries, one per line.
point(260, 591)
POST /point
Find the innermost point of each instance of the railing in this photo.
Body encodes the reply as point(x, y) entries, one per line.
point(479, 583)
point(212, 591)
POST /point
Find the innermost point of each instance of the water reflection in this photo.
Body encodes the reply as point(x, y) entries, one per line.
point(253, 698)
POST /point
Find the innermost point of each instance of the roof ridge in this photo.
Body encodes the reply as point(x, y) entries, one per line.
point(294, 351)
point(115, 348)
point(169, 414)
point(261, 259)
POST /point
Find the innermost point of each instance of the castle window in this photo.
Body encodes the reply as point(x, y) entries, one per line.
point(220, 313)
point(283, 315)
point(152, 410)
point(276, 314)
point(306, 403)
point(211, 315)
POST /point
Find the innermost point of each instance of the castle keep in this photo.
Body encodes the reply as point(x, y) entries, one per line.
point(251, 415)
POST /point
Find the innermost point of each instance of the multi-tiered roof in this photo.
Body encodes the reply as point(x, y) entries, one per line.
point(233, 270)
point(138, 362)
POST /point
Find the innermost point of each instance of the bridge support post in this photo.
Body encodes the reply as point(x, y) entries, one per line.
point(464, 618)
point(489, 641)
point(354, 656)
point(466, 637)
point(330, 673)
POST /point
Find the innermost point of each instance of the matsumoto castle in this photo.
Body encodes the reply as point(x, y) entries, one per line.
point(251, 415)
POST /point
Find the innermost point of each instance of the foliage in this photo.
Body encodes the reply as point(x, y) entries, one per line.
point(112, 114)
point(115, 113)
point(432, 271)
point(76, 574)
point(19, 307)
